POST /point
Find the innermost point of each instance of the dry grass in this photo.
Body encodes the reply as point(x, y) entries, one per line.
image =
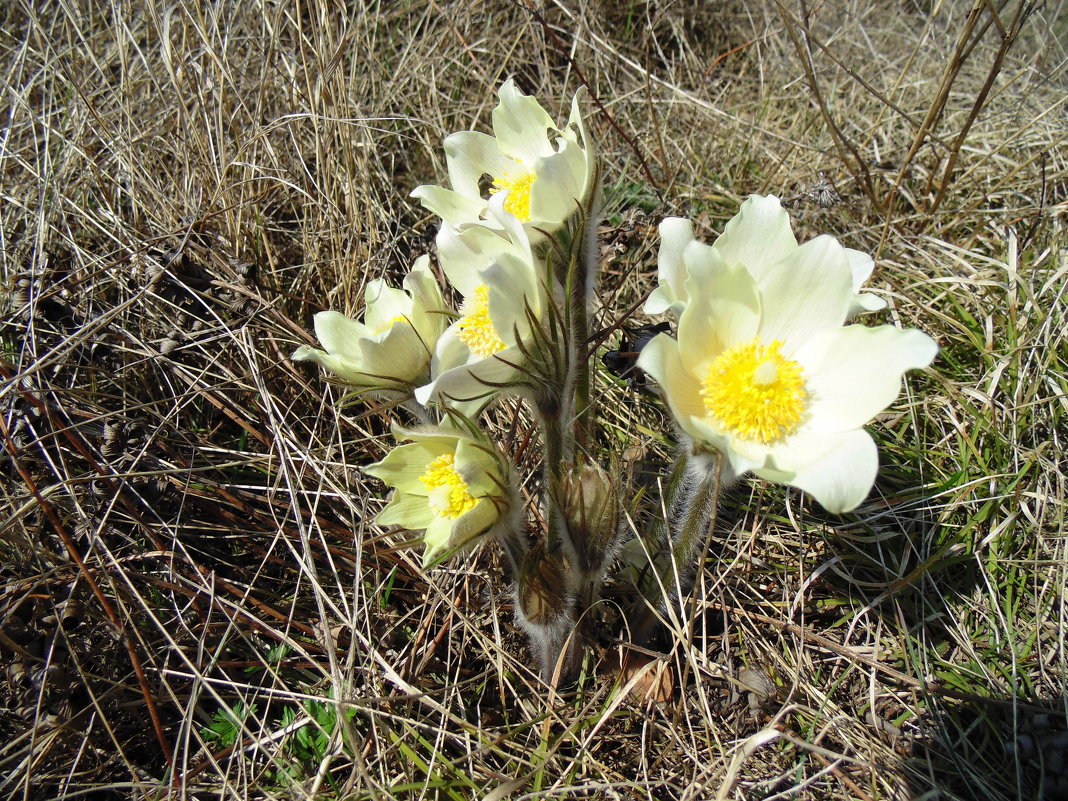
point(194, 601)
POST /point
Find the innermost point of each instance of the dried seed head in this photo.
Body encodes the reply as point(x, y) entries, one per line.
point(591, 502)
point(542, 594)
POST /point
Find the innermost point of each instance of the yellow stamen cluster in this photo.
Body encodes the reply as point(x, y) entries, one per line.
point(475, 328)
point(448, 496)
point(755, 392)
point(518, 184)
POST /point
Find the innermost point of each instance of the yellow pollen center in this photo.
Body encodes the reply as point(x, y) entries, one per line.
point(475, 328)
point(518, 184)
point(755, 392)
point(448, 491)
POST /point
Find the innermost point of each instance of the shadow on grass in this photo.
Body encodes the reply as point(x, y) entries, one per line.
point(992, 749)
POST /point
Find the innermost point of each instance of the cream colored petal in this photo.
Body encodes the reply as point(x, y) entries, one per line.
point(469, 155)
point(838, 470)
point(407, 511)
point(472, 377)
point(347, 370)
point(521, 125)
point(741, 457)
point(430, 314)
point(464, 254)
point(454, 208)
point(861, 266)
point(514, 295)
point(682, 391)
point(671, 273)
point(560, 185)
point(436, 540)
point(724, 309)
point(866, 302)
point(758, 236)
point(403, 465)
point(576, 122)
point(340, 335)
point(806, 293)
point(400, 355)
point(451, 353)
point(382, 304)
point(444, 534)
point(479, 467)
point(662, 300)
point(853, 373)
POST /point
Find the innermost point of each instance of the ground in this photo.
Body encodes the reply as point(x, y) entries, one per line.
point(195, 601)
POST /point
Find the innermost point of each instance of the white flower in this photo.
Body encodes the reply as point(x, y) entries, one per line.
point(764, 372)
point(758, 237)
point(504, 296)
point(543, 172)
point(391, 350)
point(450, 486)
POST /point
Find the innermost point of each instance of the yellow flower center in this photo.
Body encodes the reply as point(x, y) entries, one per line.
point(475, 328)
point(518, 184)
point(448, 491)
point(755, 392)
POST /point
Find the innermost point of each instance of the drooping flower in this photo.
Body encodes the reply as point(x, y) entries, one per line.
point(391, 349)
point(504, 296)
point(542, 171)
point(758, 237)
point(454, 488)
point(764, 372)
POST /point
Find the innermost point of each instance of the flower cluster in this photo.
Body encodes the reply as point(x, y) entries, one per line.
point(764, 374)
point(447, 363)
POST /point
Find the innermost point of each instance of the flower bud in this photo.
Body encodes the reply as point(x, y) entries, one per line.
point(591, 504)
point(545, 609)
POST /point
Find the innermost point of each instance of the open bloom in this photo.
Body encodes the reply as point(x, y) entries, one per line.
point(764, 371)
point(542, 171)
point(504, 297)
point(391, 349)
point(450, 486)
point(758, 237)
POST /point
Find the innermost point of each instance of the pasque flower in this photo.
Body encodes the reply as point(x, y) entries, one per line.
point(391, 349)
point(542, 171)
point(764, 372)
point(758, 237)
point(504, 296)
point(453, 487)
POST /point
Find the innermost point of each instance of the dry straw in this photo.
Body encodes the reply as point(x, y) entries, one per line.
point(194, 600)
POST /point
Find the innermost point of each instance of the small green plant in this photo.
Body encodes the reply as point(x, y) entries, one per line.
point(314, 726)
point(226, 724)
